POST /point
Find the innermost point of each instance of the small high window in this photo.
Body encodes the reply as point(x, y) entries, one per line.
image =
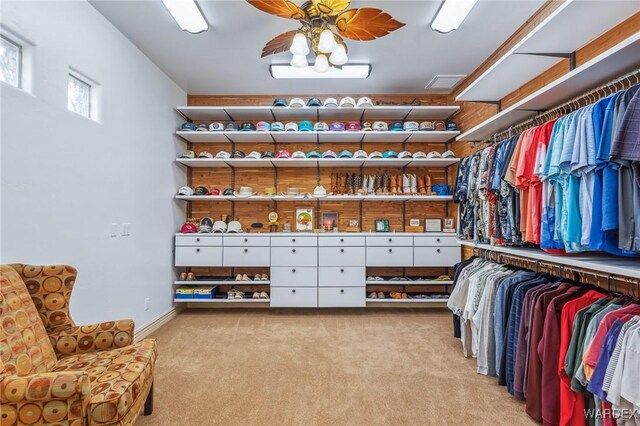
point(79, 96)
point(10, 61)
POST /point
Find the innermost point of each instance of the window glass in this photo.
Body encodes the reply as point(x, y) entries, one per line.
point(79, 96)
point(10, 61)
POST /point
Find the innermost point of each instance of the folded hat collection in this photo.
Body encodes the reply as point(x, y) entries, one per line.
point(308, 126)
point(284, 153)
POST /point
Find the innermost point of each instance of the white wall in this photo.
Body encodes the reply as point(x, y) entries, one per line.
point(66, 178)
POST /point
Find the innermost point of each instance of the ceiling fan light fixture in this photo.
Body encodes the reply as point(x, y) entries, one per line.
point(299, 61)
point(187, 15)
point(322, 64)
point(327, 42)
point(299, 45)
point(339, 56)
point(451, 15)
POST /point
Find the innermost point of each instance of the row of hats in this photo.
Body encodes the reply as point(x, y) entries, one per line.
point(346, 102)
point(284, 153)
point(308, 126)
point(207, 225)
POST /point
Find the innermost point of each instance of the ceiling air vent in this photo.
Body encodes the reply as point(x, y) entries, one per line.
point(444, 83)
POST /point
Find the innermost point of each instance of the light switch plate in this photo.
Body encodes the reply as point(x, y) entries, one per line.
point(114, 230)
point(126, 229)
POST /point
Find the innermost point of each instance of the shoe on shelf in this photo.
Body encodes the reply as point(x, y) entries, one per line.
point(257, 277)
point(264, 295)
point(239, 277)
point(405, 296)
point(379, 278)
point(443, 278)
point(395, 295)
point(256, 295)
point(373, 295)
point(380, 295)
point(265, 277)
point(183, 276)
point(191, 277)
point(371, 278)
point(245, 277)
point(231, 294)
point(238, 295)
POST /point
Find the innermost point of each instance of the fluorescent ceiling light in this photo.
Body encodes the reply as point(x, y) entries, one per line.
point(451, 15)
point(347, 71)
point(187, 15)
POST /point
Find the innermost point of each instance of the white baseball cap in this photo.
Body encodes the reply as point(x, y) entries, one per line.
point(448, 154)
point(375, 154)
point(410, 126)
point(296, 103)
point(219, 226)
point(185, 190)
point(347, 102)
point(380, 126)
point(223, 154)
point(419, 154)
point(360, 154)
point(216, 127)
point(330, 103)
point(319, 191)
point(298, 154)
point(234, 226)
point(434, 154)
point(254, 154)
point(291, 126)
point(405, 154)
point(364, 102)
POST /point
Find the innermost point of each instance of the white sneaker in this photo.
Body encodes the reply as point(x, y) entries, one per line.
point(265, 277)
point(373, 295)
point(231, 294)
point(264, 295)
point(257, 277)
point(256, 295)
point(239, 277)
point(238, 295)
point(245, 277)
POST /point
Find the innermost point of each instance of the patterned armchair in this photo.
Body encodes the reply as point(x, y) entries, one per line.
point(54, 372)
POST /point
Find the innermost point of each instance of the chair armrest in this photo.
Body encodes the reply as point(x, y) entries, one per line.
point(72, 387)
point(92, 338)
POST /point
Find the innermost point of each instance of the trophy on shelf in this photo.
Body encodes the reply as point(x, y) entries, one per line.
point(273, 222)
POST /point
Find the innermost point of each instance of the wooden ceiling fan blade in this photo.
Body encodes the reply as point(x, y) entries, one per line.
point(281, 8)
point(278, 44)
point(331, 7)
point(366, 24)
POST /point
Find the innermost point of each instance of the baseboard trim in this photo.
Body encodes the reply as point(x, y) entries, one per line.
point(158, 322)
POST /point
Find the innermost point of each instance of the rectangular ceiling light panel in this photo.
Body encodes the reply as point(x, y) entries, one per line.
point(187, 15)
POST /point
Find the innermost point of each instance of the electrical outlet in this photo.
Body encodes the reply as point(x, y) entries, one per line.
point(114, 230)
point(147, 302)
point(126, 229)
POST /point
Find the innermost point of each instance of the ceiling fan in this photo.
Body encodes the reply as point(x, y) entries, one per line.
point(325, 25)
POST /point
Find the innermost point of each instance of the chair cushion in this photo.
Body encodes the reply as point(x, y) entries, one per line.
point(24, 345)
point(117, 378)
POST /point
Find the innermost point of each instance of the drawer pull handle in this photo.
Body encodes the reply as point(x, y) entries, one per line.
point(390, 250)
point(198, 239)
point(390, 239)
point(293, 291)
point(342, 240)
point(341, 270)
point(293, 270)
point(341, 290)
point(341, 250)
point(245, 240)
point(197, 250)
point(293, 250)
point(438, 250)
point(246, 250)
point(438, 239)
point(293, 240)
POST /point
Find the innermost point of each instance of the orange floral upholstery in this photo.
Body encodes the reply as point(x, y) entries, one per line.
point(54, 372)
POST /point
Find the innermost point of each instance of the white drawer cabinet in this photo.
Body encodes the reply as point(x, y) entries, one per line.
point(341, 276)
point(198, 240)
point(246, 240)
point(436, 256)
point(294, 276)
point(341, 256)
point(198, 256)
point(295, 241)
point(245, 256)
point(389, 256)
point(390, 240)
point(341, 297)
point(447, 241)
point(294, 256)
point(335, 241)
point(294, 297)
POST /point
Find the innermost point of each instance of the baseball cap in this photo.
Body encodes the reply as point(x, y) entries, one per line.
point(314, 102)
point(234, 226)
point(263, 126)
point(396, 126)
point(291, 127)
point(238, 154)
point(185, 190)
point(330, 103)
point(219, 226)
point(267, 154)
point(360, 154)
point(204, 127)
point(254, 154)
point(426, 126)
point(390, 154)
point(448, 154)
point(205, 154)
point(277, 127)
point(188, 228)
point(231, 126)
point(228, 191)
point(452, 127)
point(320, 126)
point(187, 126)
point(405, 154)
point(280, 102)
point(206, 221)
point(439, 125)
point(366, 126)
point(305, 126)
point(434, 154)
point(248, 126)
point(347, 102)
point(345, 154)
point(216, 127)
point(352, 126)
point(313, 154)
point(204, 229)
point(380, 126)
point(298, 154)
point(201, 190)
point(329, 154)
point(375, 154)
point(213, 191)
point(336, 127)
point(410, 126)
point(296, 103)
point(364, 102)
point(223, 154)
point(319, 191)
point(188, 154)
point(419, 154)
point(283, 153)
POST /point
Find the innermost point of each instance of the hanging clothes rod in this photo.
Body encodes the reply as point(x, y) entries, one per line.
point(621, 83)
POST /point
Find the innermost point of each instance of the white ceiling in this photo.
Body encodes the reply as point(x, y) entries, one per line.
point(226, 58)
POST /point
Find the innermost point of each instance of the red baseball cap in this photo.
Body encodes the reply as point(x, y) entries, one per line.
point(352, 126)
point(213, 191)
point(188, 228)
point(283, 153)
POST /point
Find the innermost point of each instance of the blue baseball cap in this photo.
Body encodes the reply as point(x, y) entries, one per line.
point(305, 126)
point(280, 102)
point(314, 102)
point(441, 189)
point(248, 126)
point(277, 127)
point(396, 126)
point(188, 127)
point(345, 154)
point(390, 154)
point(313, 154)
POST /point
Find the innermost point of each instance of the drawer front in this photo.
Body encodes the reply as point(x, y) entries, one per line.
point(245, 256)
point(294, 256)
point(328, 241)
point(389, 240)
point(448, 241)
point(198, 256)
point(294, 297)
point(337, 276)
point(198, 240)
point(436, 256)
point(288, 276)
point(295, 241)
point(341, 297)
point(246, 240)
point(341, 256)
point(389, 256)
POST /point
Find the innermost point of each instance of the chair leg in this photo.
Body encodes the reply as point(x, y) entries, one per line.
point(148, 404)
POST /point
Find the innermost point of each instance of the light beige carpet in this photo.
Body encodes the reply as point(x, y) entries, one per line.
point(354, 367)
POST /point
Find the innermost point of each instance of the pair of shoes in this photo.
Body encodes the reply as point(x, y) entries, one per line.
point(242, 277)
point(187, 276)
point(261, 295)
point(376, 278)
point(374, 295)
point(235, 294)
point(398, 295)
point(262, 277)
point(443, 278)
